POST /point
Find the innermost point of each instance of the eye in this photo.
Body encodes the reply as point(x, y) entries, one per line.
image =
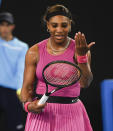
point(64, 25)
point(54, 25)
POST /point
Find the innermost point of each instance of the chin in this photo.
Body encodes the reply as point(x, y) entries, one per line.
point(4, 35)
point(59, 40)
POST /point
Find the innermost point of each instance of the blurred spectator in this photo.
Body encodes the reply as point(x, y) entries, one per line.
point(12, 58)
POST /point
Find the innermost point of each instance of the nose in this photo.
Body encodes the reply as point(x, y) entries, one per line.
point(59, 29)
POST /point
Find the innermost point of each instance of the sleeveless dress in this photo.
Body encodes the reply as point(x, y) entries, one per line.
point(56, 116)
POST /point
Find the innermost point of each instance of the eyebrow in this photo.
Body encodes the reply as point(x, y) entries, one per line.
point(57, 23)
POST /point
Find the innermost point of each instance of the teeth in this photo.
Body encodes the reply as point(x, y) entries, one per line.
point(59, 36)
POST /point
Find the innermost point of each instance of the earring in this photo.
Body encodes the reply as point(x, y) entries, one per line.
point(47, 30)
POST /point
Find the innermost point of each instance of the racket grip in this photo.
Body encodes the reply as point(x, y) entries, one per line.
point(43, 99)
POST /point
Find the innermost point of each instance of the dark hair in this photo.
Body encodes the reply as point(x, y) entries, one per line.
point(56, 10)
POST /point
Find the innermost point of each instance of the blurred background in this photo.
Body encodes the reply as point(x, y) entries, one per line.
point(93, 19)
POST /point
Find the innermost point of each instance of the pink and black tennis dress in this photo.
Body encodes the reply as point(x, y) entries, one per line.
point(58, 116)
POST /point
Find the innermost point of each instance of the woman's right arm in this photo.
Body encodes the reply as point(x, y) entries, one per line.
point(31, 60)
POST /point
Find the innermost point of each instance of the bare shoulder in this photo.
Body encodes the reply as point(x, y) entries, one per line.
point(32, 54)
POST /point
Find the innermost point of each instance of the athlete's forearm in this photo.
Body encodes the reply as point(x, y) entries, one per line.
point(26, 94)
point(87, 75)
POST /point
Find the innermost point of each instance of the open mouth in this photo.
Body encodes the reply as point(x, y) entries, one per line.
point(59, 37)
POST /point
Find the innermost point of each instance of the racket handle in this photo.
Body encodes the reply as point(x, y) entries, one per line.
point(43, 99)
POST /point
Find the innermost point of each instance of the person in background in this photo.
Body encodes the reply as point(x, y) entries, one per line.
point(12, 59)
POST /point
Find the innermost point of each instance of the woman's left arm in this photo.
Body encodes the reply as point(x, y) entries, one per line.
point(82, 49)
point(87, 75)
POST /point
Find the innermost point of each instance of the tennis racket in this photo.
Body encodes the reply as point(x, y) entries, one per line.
point(59, 74)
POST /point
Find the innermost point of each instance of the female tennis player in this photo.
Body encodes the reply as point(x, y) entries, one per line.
point(60, 112)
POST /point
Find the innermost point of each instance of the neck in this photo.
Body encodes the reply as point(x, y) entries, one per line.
point(8, 37)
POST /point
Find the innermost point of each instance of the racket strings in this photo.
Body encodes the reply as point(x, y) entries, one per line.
point(64, 78)
point(61, 74)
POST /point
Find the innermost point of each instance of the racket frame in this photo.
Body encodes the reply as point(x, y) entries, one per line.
point(60, 61)
point(46, 95)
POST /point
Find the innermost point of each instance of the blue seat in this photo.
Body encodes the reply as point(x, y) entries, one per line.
point(0, 2)
point(107, 104)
